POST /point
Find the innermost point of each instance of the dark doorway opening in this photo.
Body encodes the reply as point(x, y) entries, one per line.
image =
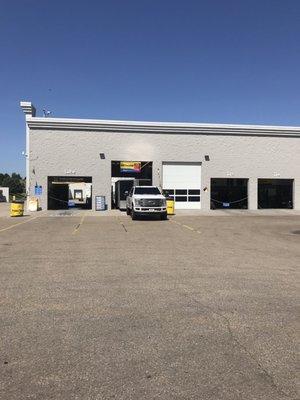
point(58, 196)
point(66, 192)
point(275, 193)
point(125, 174)
point(229, 193)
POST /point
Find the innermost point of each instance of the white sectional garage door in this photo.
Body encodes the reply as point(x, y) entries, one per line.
point(183, 182)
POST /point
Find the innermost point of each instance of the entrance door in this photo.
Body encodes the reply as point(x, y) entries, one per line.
point(182, 182)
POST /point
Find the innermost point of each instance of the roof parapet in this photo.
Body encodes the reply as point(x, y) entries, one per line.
point(28, 108)
point(161, 127)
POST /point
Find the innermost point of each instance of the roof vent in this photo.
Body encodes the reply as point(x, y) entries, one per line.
point(28, 108)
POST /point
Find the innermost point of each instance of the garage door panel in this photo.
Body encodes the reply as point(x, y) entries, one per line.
point(183, 180)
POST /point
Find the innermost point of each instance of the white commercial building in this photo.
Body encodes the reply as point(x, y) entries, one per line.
point(200, 166)
point(4, 194)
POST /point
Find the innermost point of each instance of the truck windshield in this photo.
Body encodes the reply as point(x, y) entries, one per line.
point(146, 190)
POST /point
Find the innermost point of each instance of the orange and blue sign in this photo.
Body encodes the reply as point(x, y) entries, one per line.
point(130, 166)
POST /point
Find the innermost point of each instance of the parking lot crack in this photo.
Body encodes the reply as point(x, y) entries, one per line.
point(265, 373)
point(267, 376)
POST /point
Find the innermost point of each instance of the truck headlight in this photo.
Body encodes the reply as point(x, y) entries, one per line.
point(137, 203)
point(164, 202)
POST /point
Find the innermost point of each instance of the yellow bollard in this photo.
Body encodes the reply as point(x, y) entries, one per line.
point(17, 208)
point(170, 207)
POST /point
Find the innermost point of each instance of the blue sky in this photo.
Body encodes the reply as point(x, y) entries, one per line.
point(218, 61)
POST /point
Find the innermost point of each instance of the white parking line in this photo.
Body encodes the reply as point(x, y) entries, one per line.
point(186, 226)
point(78, 226)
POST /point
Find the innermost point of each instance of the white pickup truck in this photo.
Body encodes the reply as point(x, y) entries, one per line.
point(146, 200)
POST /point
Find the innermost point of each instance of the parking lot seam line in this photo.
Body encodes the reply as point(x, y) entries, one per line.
point(78, 225)
point(19, 223)
point(124, 227)
point(122, 224)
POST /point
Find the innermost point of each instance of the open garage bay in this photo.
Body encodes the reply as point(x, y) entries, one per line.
point(108, 308)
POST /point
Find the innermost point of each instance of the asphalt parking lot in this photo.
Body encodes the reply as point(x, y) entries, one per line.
point(110, 308)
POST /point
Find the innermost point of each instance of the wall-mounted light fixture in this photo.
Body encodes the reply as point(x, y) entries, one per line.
point(206, 157)
point(102, 156)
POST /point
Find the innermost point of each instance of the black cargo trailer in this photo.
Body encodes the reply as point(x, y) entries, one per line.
point(122, 188)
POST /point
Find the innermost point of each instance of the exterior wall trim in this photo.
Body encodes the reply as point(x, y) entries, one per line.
point(161, 127)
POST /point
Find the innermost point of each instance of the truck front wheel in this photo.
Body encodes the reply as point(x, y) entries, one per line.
point(133, 215)
point(164, 216)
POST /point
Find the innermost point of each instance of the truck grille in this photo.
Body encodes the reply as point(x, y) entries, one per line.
point(151, 202)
